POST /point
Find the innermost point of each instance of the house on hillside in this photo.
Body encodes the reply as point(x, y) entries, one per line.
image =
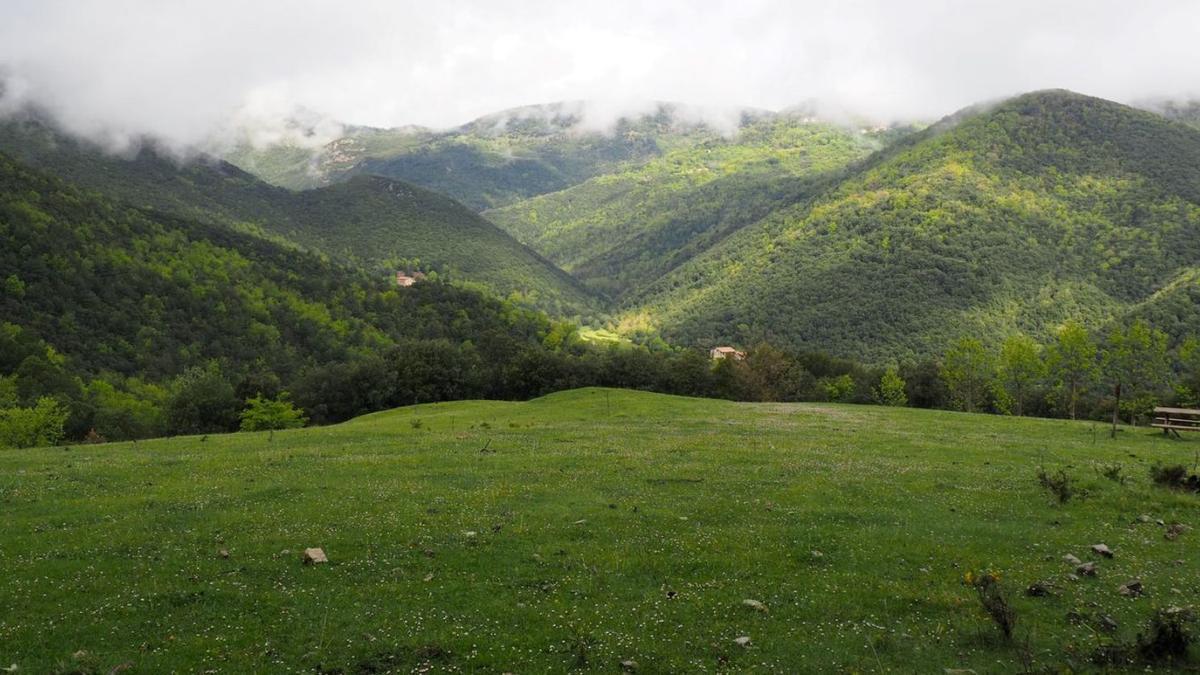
point(726, 353)
point(405, 280)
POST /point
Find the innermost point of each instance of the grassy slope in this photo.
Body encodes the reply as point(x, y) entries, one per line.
point(625, 228)
point(369, 220)
point(590, 508)
point(1050, 206)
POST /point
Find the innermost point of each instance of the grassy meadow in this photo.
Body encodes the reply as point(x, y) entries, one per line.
point(585, 529)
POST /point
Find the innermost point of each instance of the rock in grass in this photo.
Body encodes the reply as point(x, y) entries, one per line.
point(1072, 560)
point(1087, 569)
point(1174, 531)
point(314, 556)
point(1038, 589)
point(743, 641)
point(1101, 549)
point(1143, 518)
point(755, 605)
point(224, 553)
point(629, 665)
point(1130, 589)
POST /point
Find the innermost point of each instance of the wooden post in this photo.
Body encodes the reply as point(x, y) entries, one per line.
point(1116, 408)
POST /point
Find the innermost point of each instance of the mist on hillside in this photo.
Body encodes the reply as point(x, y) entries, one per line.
point(261, 73)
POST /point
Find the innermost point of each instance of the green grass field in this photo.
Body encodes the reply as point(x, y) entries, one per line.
point(580, 530)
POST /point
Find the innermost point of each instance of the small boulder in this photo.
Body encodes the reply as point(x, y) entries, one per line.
point(223, 553)
point(1107, 624)
point(1087, 569)
point(314, 556)
point(629, 665)
point(1038, 589)
point(755, 605)
point(743, 641)
point(1072, 560)
point(1143, 518)
point(1101, 549)
point(1131, 589)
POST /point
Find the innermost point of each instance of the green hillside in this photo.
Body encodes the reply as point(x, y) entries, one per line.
point(625, 228)
point(490, 162)
point(1015, 217)
point(595, 527)
point(377, 223)
point(103, 307)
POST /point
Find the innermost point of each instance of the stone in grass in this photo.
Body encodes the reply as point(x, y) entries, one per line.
point(1131, 589)
point(755, 605)
point(1038, 589)
point(314, 556)
point(1174, 531)
point(1101, 549)
point(224, 553)
point(1072, 560)
point(1087, 569)
point(743, 641)
point(629, 665)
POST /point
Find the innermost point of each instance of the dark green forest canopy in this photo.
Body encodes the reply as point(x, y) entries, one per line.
point(376, 223)
point(1012, 218)
point(136, 292)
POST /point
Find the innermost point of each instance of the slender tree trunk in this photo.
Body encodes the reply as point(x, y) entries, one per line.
point(1073, 398)
point(1116, 409)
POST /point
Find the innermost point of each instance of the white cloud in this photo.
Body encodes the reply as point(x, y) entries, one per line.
point(182, 69)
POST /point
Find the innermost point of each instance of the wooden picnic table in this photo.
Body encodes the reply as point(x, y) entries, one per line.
point(1174, 420)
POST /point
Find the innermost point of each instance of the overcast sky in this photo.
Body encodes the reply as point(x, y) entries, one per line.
point(181, 68)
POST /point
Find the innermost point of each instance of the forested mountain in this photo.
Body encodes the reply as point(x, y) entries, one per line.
point(624, 229)
point(1049, 206)
point(120, 323)
point(493, 161)
point(380, 224)
point(101, 301)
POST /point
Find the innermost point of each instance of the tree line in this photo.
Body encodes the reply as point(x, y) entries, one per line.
point(1077, 375)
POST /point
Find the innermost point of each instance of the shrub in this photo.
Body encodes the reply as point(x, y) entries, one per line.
point(201, 401)
point(891, 389)
point(263, 414)
point(994, 601)
point(1175, 477)
point(30, 427)
point(1059, 484)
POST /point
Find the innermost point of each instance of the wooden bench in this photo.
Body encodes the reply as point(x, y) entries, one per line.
point(1174, 420)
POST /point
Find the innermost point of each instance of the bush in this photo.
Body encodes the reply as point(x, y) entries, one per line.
point(891, 389)
point(262, 414)
point(1175, 477)
point(201, 401)
point(994, 601)
point(32, 427)
point(1059, 484)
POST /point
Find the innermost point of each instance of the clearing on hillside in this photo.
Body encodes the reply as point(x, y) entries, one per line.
point(585, 529)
